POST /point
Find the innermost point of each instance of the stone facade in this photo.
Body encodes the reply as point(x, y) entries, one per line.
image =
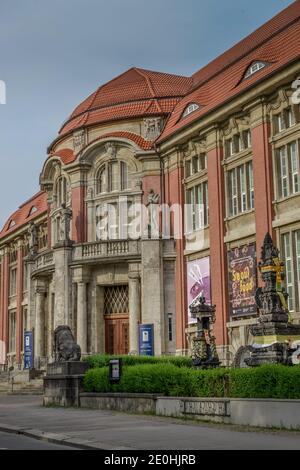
point(240, 160)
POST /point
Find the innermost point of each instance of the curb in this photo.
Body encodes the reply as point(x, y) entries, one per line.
point(53, 438)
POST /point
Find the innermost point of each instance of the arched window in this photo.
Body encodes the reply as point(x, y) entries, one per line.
point(101, 181)
point(62, 191)
point(112, 177)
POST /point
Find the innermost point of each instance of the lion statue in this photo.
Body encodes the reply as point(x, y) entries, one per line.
point(65, 348)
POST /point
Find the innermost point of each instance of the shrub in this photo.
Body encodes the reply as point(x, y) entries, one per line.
point(102, 360)
point(170, 380)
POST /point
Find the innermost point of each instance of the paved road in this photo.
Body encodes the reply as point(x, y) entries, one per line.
point(109, 430)
point(15, 442)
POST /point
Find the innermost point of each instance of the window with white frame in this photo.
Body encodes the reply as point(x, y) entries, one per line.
point(114, 220)
point(288, 170)
point(197, 207)
point(12, 331)
point(285, 120)
point(240, 184)
point(195, 165)
point(62, 191)
point(291, 254)
point(254, 68)
point(238, 143)
point(191, 108)
point(113, 177)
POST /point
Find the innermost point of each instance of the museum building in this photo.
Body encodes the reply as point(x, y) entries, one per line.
point(224, 143)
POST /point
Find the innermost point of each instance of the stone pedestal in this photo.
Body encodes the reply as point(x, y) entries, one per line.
point(274, 335)
point(63, 383)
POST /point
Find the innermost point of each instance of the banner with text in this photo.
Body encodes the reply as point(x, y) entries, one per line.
point(242, 281)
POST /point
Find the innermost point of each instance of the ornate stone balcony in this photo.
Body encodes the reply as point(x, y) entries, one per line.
point(107, 249)
point(43, 261)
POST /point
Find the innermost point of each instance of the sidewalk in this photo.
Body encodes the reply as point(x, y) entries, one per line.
point(89, 429)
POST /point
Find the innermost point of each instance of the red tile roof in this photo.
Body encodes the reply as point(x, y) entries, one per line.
point(66, 155)
point(137, 139)
point(23, 216)
point(135, 93)
point(277, 43)
point(251, 42)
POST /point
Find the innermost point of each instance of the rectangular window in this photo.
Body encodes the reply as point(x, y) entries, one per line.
point(288, 170)
point(243, 188)
point(13, 282)
point(247, 139)
point(291, 255)
point(25, 325)
point(294, 165)
point(250, 185)
point(197, 210)
point(188, 171)
point(124, 176)
point(287, 251)
point(233, 195)
point(285, 120)
point(170, 327)
point(240, 189)
point(12, 332)
point(25, 275)
point(114, 176)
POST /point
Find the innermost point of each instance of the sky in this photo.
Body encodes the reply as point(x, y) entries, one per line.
point(53, 54)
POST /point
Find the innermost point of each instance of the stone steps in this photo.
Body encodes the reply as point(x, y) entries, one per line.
point(34, 387)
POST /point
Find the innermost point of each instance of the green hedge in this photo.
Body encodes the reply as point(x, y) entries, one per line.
point(169, 380)
point(103, 360)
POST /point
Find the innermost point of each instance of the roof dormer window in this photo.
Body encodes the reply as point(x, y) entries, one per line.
point(191, 108)
point(32, 211)
point(11, 224)
point(254, 68)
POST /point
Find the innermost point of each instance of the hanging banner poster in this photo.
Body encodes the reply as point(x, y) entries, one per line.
point(242, 281)
point(198, 282)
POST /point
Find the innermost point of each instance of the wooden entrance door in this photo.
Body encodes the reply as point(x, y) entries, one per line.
point(116, 314)
point(117, 335)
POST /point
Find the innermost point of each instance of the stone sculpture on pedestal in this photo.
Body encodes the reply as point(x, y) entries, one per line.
point(65, 348)
point(204, 351)
point(274, 334)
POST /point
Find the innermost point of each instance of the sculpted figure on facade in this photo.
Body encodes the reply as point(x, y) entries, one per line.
point(153, 214)
point(79, 140)
point(33, 239)
point(152, 128)
point(111, 150)
point(65, 223)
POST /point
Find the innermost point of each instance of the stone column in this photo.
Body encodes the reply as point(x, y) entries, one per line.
point(152, 291)
point(134, 311)
point(39, 331)
point(20, 327)
point(262, 172)
point(81, 276)
point(218, 253)
point(62, 283)
point(4, 306)
point(82, 316)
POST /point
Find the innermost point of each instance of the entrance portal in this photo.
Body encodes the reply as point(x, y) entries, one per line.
point(116, 314)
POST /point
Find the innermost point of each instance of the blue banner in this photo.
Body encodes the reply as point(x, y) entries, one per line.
point(146, 340)
point(28, 350)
